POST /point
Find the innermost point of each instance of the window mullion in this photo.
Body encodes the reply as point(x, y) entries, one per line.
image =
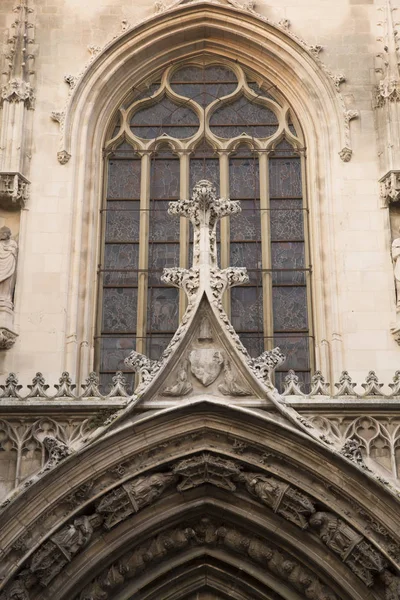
point(225, 223)
point(184, 225)
point(266, 251)
point(307, 255)
point(143, 253)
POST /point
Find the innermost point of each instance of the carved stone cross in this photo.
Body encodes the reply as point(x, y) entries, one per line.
point(204, 210)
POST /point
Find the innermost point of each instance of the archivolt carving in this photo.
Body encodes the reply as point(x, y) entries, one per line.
point(209, 534)
point(130, 497)
point(352, 548)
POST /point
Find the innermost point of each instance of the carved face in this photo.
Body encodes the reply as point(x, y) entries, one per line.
point(5, 233)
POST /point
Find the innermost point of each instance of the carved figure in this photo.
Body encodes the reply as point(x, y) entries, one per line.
point(352, 548)
point(132, 496)
point(231, 387)
point(392, 585)
point(269, 490)
point(182, 385)
point(54, 554)
point(335, 533)
point(206, 364)
point(8, 264)
point(396, 267)
point(17, 591)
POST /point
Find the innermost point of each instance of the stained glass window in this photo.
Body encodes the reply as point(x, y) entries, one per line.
point(201, 120)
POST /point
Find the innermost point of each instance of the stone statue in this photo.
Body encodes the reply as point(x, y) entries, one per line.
point(396, 266)
point(8, 263)
point(52, 557)
point(392, 585)
point(267, 489)
point(129, 498)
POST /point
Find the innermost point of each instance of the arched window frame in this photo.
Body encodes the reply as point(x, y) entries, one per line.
point(120, 131)
point(223, 31)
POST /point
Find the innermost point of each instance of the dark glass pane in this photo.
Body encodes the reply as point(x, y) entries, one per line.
point(288, 255)
point(204, 168)
point(247, 255)
point(164, 178)
point(163, 309)
point(120, 262)
point(247, 224)
point(204, 85)
point(296, 349)
point(122, 221)
point(246, 309)
point(285, 177)
point(176, 120)
point(124, 179)
point(114, 350)
point(254, 343)
point(287, 220)
point(156, 344)
point(243, 116)
point(290, 308)
point(163, 227)
point(284, 148)
point(163, 255)
point(244, 178)
point(211, 74)
point(119, 310)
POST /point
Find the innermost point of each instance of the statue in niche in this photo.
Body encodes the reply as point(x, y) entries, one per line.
point(8, 263)
point(396, 267)
point(182, 385)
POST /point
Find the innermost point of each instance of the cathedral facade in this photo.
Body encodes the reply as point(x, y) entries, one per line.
point(199, 300)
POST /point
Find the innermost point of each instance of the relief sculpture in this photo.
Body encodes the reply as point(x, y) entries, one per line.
point(206, 364)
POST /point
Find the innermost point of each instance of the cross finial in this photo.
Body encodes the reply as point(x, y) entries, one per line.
point(204, 210)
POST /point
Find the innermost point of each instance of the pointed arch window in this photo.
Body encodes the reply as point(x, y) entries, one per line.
point(215, 121)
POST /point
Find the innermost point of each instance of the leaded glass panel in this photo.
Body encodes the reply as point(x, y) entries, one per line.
point(290, 308)
point(285, 177)
point(164, 177)
point(243, 116)
point(122, 221)
point(119, 310)
point(163, 310)
point(203, 85)
point(287, 220)
point(247, 225)
point(247, 309)
point(178, 121)
point(124, 179)
point(268, 237)
point(121, 264)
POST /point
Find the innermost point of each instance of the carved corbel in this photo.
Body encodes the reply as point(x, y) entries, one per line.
point(390, 187)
